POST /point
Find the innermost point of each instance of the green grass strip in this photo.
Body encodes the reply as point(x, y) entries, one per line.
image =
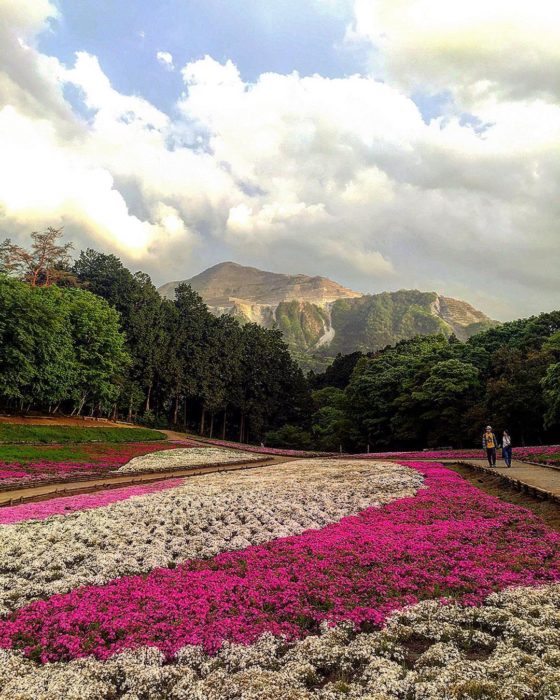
point(24, 454)
point(10, 433)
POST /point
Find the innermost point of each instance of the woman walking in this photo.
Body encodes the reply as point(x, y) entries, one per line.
point(506, 447)
point(489, 444)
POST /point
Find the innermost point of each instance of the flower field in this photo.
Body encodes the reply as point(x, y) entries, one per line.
point(318, 578)
point(504, 649)
point(70, 463)
point(549, 455)
point(204, 517)
point(544, 454)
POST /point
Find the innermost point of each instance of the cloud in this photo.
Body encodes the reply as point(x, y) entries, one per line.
point(28, 79)
point(509, 48)
point(340, 177)
point(166, 60)
point(367, 262)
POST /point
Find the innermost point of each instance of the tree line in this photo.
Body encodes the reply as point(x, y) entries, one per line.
point(90, 337)
point(434, 391)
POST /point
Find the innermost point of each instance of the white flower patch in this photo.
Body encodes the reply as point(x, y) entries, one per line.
point(165, 460)
point(206, 515)
point(430, 651)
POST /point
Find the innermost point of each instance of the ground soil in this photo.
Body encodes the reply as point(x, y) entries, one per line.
point(549, 511)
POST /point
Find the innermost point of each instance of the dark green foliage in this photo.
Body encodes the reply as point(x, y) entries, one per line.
point(190, 368)
point(114, 347)
point(58, 345)
point(434, 391)
point(331, 425)
point(338, 373)
point(551, 390)
point(289, 436)
point(11, 433)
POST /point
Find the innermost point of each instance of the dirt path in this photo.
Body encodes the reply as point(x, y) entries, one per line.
point(536, 479)
point(46, 491)
point(174, 435)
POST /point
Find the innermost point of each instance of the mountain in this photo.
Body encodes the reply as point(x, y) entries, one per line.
point(227, 283)
point(320, 318)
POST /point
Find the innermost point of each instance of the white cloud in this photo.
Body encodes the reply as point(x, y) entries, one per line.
point(475, 48)
point(330, 176)
point(166, 60)
point(367, 262)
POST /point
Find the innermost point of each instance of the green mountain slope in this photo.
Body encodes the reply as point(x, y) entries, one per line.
point(319, 318)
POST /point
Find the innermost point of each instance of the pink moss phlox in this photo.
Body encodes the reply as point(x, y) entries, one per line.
point(71, 504)
point(450, 541)
point(518, 453)
point(15, 474)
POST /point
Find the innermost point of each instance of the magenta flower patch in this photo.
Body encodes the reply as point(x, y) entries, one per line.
point(519, 453)
point(450, 541)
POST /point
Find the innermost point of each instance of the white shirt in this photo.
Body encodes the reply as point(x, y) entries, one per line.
point(506, 441)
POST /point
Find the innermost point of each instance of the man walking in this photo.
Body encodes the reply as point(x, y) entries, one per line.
point(489, 444)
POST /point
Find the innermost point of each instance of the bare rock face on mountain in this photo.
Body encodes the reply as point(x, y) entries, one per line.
point(225, 284)
point(320, 318)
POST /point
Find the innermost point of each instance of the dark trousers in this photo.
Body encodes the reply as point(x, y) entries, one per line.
point(491, 455)
point(506, 454)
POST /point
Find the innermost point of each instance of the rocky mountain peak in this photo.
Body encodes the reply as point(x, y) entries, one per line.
point(227, 283)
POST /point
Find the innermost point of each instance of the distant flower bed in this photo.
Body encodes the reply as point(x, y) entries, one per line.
point(178, 458)
point(448, 542)
point(547, 455)
point(83, 461)
point(526, 453)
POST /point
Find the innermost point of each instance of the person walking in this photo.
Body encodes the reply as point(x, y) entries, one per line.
point(506, 447)
point(489, 444)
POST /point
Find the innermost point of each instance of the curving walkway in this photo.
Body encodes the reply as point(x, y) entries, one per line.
point(534, 478)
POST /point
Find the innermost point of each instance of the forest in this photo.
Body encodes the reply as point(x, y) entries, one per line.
point(434, 391)
point(86, 336)
point(90, 337)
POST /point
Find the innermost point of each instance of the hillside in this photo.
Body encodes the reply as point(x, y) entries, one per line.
point(320, 318)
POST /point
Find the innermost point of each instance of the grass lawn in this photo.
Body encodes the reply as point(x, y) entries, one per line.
point(11, 433)
point(25, 454)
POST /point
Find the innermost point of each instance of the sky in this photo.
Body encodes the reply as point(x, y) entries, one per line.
point(386, 144)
